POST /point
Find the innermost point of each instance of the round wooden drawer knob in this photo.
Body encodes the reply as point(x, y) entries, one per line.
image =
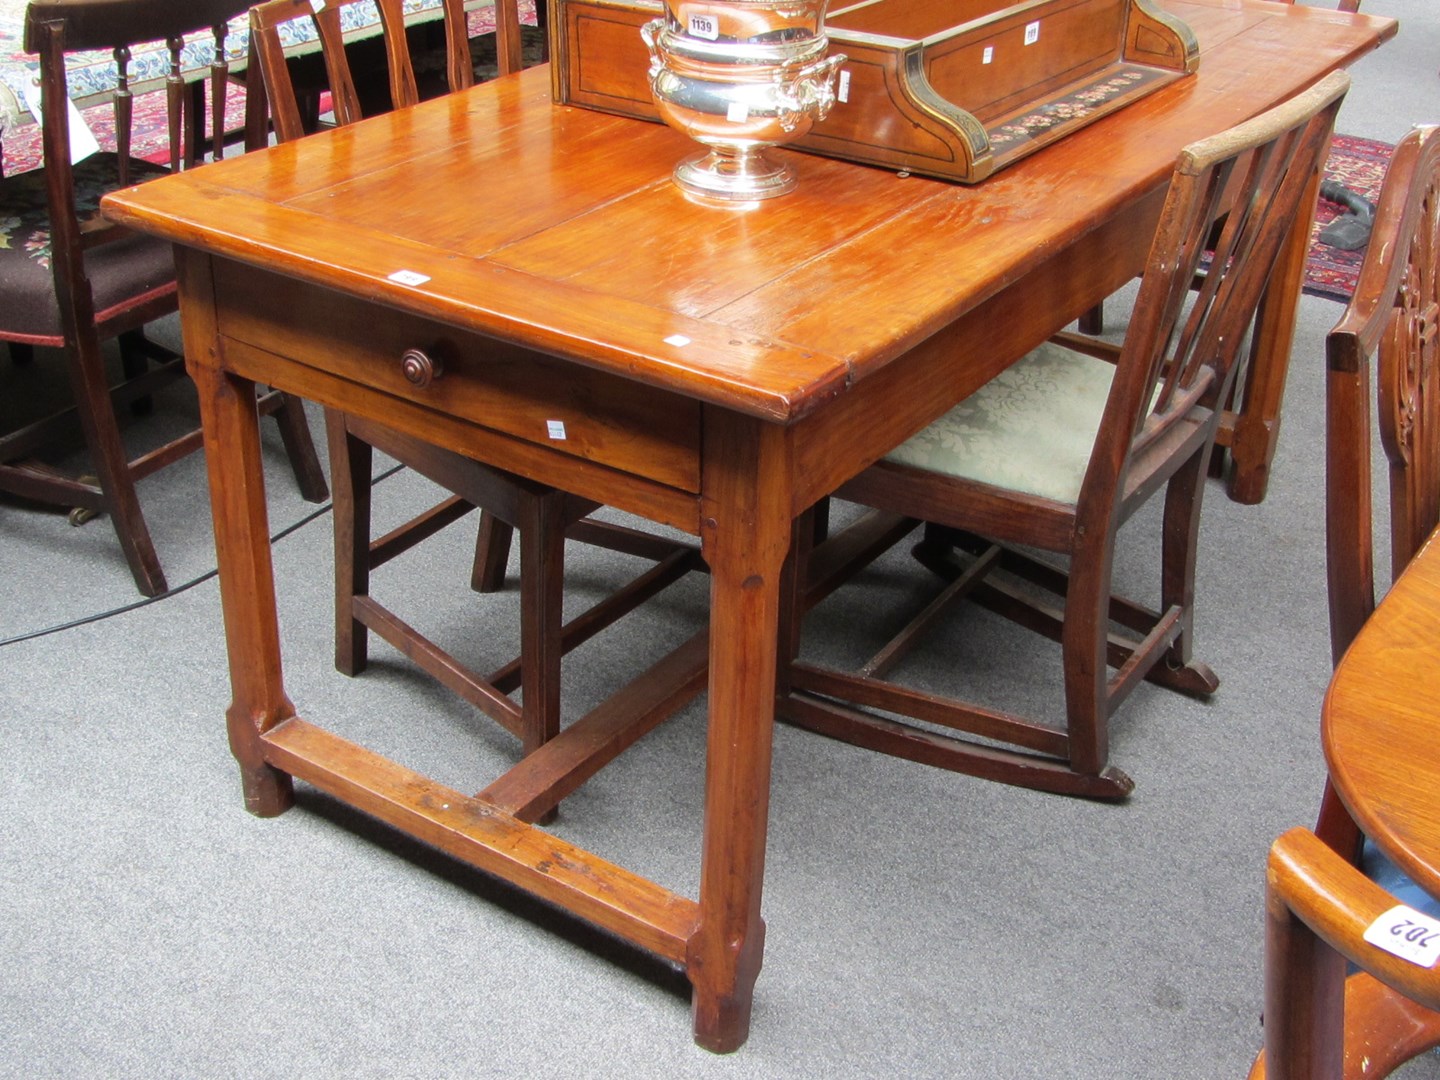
point(419, 369)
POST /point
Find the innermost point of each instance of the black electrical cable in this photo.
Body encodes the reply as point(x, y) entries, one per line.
point(98, 616)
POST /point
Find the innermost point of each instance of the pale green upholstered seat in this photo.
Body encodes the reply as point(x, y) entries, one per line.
point(1029, 429)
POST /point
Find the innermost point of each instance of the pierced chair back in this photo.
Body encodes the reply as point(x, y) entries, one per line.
point(1327, 887)
point(1392, 317)
point(1232, 199)
point(267, 18)
point(1059, 450)
point(69, 279)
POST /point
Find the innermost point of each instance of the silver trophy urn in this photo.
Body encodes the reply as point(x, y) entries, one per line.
point(738, 76)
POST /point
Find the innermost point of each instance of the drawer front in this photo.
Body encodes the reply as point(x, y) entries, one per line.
point(565, 407)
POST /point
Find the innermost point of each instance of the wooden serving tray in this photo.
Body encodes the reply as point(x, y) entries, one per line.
point(949, 88)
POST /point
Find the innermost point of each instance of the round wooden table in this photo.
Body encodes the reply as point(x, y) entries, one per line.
point(1381, 723)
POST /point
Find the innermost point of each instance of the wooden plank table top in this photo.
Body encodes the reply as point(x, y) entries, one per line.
point(1380, 723)
point(715, 369)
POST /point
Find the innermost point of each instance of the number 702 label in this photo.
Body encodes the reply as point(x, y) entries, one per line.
point(1407, 934)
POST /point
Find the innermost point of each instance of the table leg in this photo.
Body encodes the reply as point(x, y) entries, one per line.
point(242, 543)
point(745, 526)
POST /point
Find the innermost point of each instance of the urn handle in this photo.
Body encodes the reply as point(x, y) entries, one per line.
point(651, 34)
point(810, 91)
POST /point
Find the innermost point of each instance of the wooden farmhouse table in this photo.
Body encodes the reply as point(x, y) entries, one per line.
point(717, 370)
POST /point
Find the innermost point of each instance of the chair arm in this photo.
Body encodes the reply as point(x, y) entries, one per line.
point(1338, 903)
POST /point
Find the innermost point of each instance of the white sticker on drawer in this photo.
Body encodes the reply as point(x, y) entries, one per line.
point(1408, 934)
point(988, 56)
point(555, 428)
point(408, 277)
point(843, 91)
point(1032, 33)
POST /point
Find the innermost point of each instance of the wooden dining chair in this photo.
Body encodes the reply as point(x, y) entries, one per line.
point(542, 516)
point(1327, 886)
point(71, 281)
point(266, 20)
point(1056, 453)
point(1250, 424)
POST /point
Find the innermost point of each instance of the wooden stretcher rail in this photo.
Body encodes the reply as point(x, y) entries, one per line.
point(475, 831)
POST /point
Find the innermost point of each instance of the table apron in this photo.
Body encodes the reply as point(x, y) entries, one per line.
point(626, 445)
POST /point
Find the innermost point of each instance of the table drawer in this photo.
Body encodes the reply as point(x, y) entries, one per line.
point(564, 406)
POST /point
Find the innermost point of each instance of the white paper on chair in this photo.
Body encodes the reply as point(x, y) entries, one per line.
point(82, 140)
point(1408, 934)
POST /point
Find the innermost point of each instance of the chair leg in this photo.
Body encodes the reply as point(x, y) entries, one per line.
point(492, 553)
point(1304, 999)
point(1337, 828)
point(300, 448)
point(86, 371)
point(1179, 543)
point(1083, 640)
point(350, 468)
point(134, 360)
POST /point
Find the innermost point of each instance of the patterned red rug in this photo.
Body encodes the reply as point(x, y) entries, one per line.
point(1358, 164)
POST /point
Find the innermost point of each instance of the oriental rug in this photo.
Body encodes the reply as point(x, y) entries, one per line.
point(1359, 165)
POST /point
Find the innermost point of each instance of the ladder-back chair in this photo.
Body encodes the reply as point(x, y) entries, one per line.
point(1057, 452)
point(71, 280)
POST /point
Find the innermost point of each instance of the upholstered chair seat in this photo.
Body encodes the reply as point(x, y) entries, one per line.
point(1029, 429)
point(118, 272)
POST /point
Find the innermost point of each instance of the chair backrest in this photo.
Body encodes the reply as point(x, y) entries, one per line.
point(54, 28)
point(1232, 199)
point(1393, 312)
point(266, 19)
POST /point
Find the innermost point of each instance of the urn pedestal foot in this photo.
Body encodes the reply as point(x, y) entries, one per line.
point(735, 174)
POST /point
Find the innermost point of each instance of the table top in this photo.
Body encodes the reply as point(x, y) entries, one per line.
point(1381, 722)
point(92, 74)
point(770, 310)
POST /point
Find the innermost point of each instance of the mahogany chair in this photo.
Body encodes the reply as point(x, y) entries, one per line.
point(1056, 453)
point(70, 280)
point(286, 112)
point(542, 515)
point(1250, 423)
point(1326, 887)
